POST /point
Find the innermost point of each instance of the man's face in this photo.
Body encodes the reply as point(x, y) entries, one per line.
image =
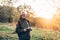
point(23, 16)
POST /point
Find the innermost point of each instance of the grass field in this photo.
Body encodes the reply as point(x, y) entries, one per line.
point(36, 34)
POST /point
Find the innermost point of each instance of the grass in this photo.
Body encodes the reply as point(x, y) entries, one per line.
point(36, 34)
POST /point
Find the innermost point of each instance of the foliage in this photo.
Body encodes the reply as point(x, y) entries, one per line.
point(8, 13)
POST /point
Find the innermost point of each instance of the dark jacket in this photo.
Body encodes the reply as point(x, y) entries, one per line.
point(22, 24)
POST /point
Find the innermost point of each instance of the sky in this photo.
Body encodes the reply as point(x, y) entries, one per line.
point(42, 8)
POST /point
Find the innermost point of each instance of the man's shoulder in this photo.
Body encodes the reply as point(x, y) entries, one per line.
point(27, 20)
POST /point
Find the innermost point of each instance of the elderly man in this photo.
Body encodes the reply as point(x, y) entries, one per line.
point(23, 27)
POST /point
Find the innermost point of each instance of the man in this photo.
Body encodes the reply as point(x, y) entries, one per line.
point(23, 28)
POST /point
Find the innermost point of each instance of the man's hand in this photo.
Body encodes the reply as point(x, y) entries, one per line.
point(25, 30)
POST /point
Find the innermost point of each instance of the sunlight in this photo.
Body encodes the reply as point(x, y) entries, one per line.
point(42, 8)
point(47, 16)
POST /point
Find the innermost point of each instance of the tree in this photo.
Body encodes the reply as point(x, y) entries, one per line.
point(8, 13)
point(8, 2)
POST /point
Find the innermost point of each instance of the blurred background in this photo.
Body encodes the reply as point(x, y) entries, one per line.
point(44, 16)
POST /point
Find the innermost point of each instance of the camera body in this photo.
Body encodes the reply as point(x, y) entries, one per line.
point(29, 29)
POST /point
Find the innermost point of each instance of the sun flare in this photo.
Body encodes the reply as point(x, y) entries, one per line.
point(42, 8)
point(47, 16)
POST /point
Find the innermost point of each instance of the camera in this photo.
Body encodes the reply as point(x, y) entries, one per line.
point(29, 29)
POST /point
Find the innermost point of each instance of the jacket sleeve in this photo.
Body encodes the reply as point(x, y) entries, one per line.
point(29, 25)
point(19, 28)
